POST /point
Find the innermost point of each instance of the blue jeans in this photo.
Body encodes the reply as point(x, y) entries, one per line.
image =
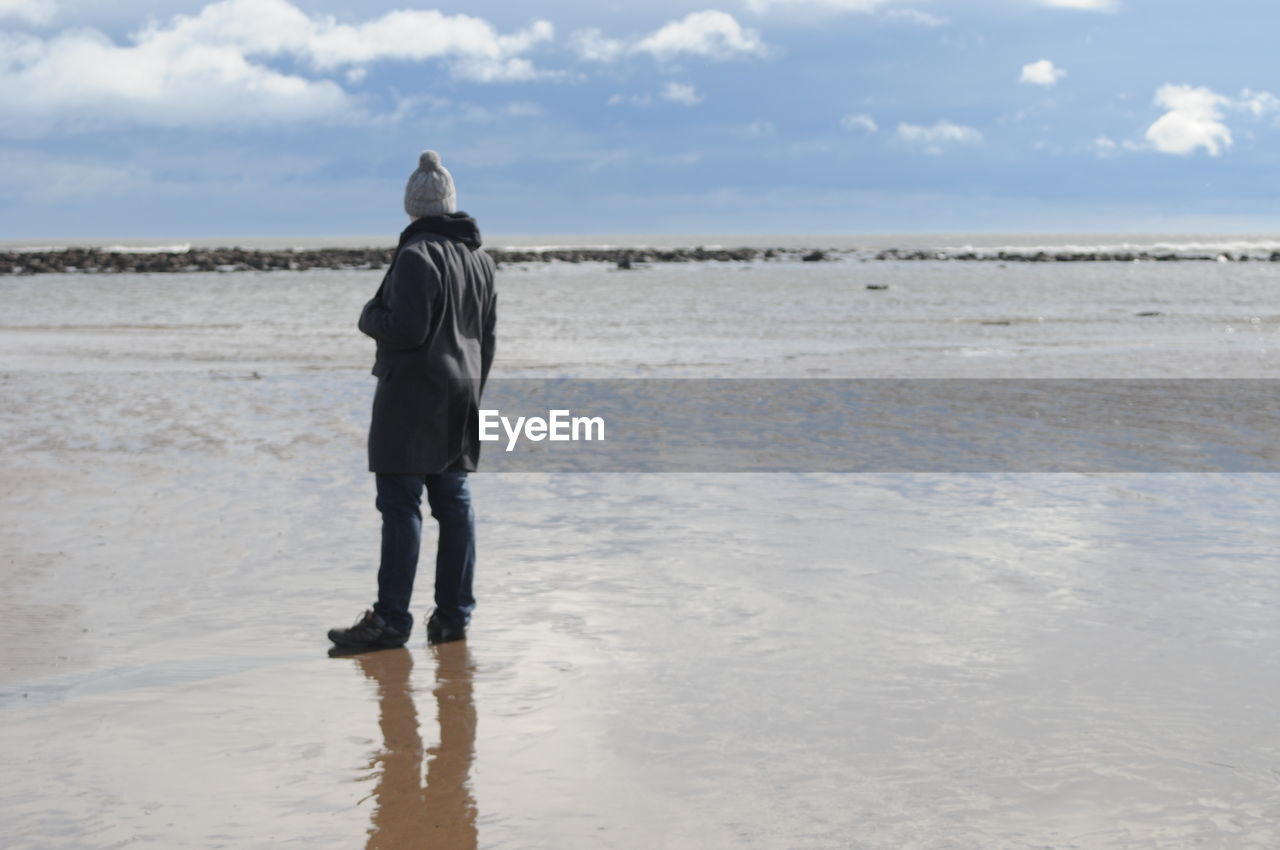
point(399, 501)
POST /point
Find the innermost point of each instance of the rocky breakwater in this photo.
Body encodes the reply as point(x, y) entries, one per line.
point(98, 261)
point(1076, 256)
point(93, 260)
point(631, 257)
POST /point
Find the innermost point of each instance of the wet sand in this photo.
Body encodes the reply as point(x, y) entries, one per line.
point(680, 661)
point(38, 633)
point(960, 661)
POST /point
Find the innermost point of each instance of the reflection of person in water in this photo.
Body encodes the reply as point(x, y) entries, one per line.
point(442, 812)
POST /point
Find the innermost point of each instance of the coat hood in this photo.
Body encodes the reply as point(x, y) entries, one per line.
point(456, 225)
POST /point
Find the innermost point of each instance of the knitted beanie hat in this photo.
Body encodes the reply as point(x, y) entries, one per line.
point(430, 188)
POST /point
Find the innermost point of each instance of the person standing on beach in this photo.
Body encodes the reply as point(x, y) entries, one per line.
point(433, 320)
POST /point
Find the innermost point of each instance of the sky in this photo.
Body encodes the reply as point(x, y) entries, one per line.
point(231, 118)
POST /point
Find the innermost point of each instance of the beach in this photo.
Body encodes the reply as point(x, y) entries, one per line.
point(676, 659)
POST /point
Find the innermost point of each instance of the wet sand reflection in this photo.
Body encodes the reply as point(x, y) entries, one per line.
point(408, 811)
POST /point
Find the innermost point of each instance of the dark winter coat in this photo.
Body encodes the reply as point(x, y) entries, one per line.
point(433, 319)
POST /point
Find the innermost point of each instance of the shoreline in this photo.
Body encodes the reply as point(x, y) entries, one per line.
point(99, 261)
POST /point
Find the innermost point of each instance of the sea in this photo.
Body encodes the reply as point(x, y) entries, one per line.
point(677, 657)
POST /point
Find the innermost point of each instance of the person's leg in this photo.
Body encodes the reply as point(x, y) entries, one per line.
point(399, 502)
point(450, 500)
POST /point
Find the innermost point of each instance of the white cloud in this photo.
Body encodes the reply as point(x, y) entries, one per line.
point(762, 6)
point(81, 80)
point(480, 115)
point(278, 28)
point(831, 7)
point(206, 69)
point(410, 105)
point(40, 178)
point(1041, 73)
point(524, 109)
point(592, 45)
point(816, 11)
point(934, 138)
point(633, 99)
point(682, 93)
point(1193, 120)
point(35, 12)
point(715, 35)
point(862, 122)
point(1086, 5)
point(759, 129)
point(915, 16)
point(1105, 147)
point(1258, 103)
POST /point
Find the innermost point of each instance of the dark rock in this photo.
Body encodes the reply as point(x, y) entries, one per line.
point(90, 260)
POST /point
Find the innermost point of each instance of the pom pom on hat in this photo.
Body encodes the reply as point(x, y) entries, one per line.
point(430, 188)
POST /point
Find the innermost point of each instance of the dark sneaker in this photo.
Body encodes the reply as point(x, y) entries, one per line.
point(370, 632)
point(440, 632)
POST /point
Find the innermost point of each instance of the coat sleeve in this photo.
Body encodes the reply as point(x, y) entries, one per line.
point(400, 316)
point(488, 340)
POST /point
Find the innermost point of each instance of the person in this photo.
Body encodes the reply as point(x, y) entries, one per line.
point(433, 321)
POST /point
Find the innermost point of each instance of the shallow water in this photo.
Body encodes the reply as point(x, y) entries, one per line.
point(732, 320)
point(683, 661)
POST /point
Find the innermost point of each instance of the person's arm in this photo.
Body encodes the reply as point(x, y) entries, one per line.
point(488, 341)
point(401, 317)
